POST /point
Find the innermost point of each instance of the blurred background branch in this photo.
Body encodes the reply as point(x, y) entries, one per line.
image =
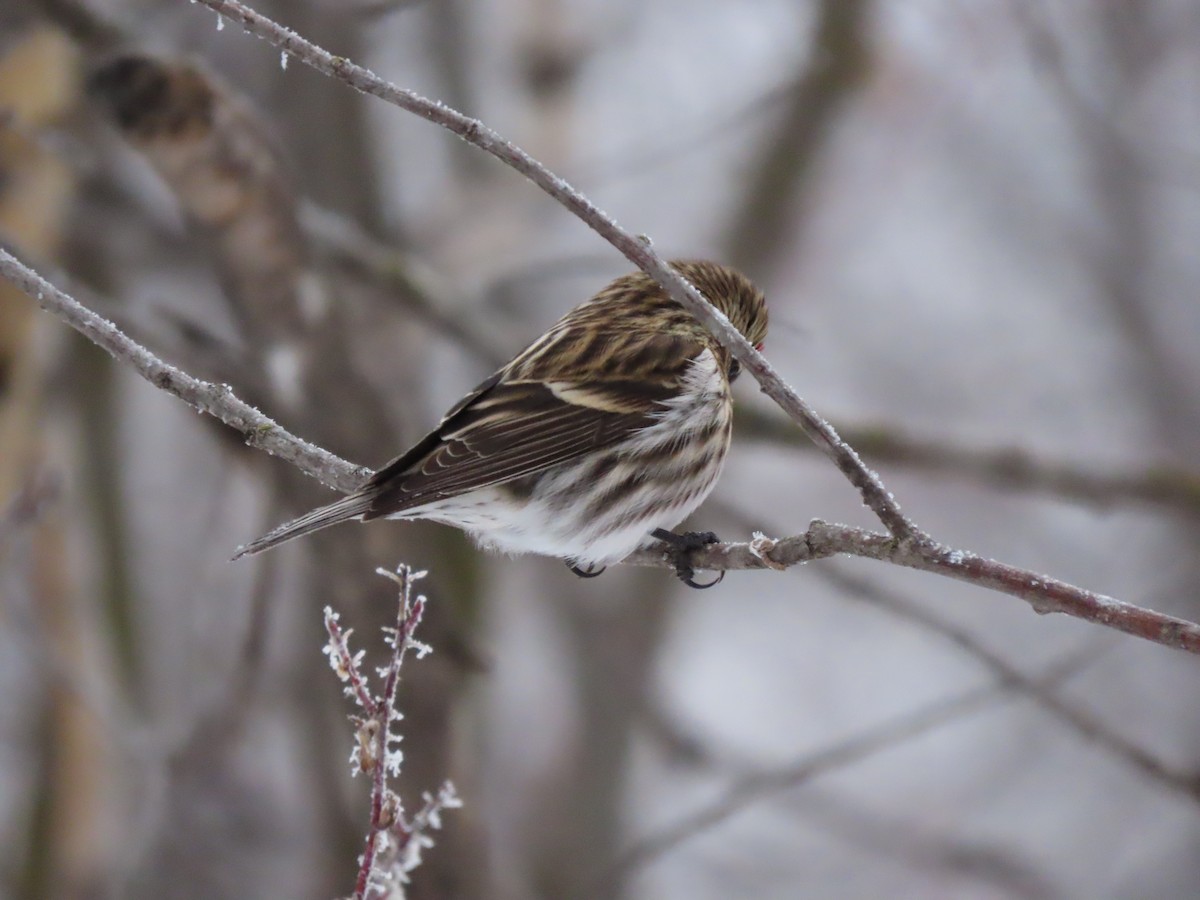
point(1162, 485)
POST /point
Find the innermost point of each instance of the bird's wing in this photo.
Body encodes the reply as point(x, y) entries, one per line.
point(508, 429)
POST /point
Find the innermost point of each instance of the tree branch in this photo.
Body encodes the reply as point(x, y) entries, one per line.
point(822, 540)
point(636, 250)
point(905, 545)
point(1044, 594)
point(218, 400)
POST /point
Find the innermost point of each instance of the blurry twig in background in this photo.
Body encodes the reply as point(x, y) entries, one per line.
point(1124, 252)
point(840, 59)
point(912, 839)
point(401, 278)
point(1165, 485)
point(754, 788)
point(27, 504)
point(1089, 728)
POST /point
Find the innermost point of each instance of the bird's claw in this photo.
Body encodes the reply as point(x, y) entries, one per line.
point(679, 549)
point(586, 573)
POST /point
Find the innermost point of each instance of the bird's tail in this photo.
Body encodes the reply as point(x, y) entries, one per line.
point(343, 510)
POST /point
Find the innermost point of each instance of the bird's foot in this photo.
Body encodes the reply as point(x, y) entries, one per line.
point(590, 572)
point(679, 549)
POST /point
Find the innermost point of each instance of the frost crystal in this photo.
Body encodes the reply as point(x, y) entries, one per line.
point(392, 761)
point(283, 58)
point(412, 852)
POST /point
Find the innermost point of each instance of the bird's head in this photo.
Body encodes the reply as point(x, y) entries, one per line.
point(731, 292)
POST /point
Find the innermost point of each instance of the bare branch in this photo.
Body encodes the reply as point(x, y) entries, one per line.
point(822, 540)
point(218, 400)
point(1043, 593)
point(636, 250)
point(906, 545)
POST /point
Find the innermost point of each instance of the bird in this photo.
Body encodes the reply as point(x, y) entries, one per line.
point(596, 440)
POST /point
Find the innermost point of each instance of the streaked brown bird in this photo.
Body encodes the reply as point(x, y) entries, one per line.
point(596, 440)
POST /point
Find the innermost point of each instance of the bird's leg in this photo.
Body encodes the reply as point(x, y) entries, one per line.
point(680, 547)
point(586, 573)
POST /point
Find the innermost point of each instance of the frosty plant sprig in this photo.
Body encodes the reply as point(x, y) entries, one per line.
point(394, 841)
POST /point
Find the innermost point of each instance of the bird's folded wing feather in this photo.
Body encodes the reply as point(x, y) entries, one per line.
point(506, 430)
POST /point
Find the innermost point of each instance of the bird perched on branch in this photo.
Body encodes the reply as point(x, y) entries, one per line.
point(595, 441)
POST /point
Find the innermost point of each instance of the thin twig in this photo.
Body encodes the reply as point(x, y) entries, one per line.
point(394, 841)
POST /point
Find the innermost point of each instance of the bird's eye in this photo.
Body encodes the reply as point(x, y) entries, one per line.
point(735, 369)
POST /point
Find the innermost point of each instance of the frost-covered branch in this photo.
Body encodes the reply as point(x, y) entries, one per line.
point(394, 841)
